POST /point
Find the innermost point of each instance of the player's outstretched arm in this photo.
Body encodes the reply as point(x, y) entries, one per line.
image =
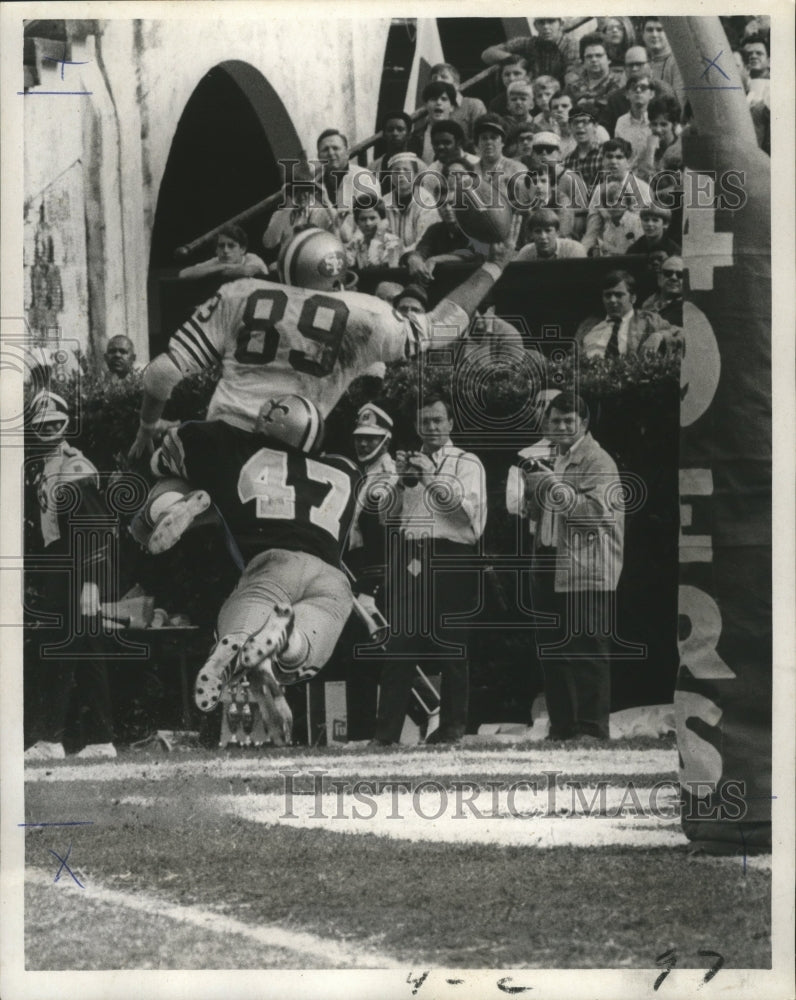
point(161, 375)
point(469, 294)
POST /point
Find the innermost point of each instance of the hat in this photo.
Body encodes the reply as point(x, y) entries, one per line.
point(371, 419)
point(489, 121)
point(48, 415)
point(401, 115)
point(584, 108)
point(547, 139)
point(406, 158)
point(449, 127)
point(438, 88)
point(412, 292)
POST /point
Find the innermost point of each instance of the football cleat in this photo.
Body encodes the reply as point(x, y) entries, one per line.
point(270, 640)
point(220, 668)
point(176, 520)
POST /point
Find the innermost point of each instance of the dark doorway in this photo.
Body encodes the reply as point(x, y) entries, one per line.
point(224, 157)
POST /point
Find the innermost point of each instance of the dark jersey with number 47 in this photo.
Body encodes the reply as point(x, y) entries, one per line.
point(270, 496)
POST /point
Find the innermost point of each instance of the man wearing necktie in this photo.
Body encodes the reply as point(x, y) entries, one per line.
point(624, 330)
point(578, 560)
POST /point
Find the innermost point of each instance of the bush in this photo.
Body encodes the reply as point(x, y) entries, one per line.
point(635, 407)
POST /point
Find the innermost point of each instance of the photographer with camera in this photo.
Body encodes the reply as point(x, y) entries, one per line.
point(578, 551)
point(441, 512)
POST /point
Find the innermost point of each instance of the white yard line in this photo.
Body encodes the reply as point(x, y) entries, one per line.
point(411, 762)
point(519, 819)
point(337, 953)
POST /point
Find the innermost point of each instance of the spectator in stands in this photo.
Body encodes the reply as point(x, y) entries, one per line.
point(54, 470)
point(637, 67)
point(756, 62)
point(614, 227)
point(514, 70)
point(337, 176)
point(490, 134)
point(634, 126)
point(564, 185)
point(587, 158)
point(396, 129)
point(665, 148)
point(544, 89)
point(519, 142)
point(366, 554)
point(120, 356)
point(596, 80)
point(444, 240)
point(520, 99)
point(622, 330)
point(580, 592)
point(655, 222)
point(231, 260)
point(373, 245)
point(304, 203)
point(447, 140)
point(432, 529)
point(440, 100)
point(616, 166)
point(547, 244)
point(410, 207)
point(663, 65)
point(468, 109)
point(619, 36)
point(552, 52)
point(542, 195)
point(667, 302)
point(412, 301)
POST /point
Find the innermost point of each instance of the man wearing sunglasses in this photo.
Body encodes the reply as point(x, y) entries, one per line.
point(667, 302)
point(637, 67)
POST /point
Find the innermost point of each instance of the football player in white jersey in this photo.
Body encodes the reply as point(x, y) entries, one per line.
point(304, 336)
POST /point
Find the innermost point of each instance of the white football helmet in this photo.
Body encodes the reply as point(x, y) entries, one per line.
point(314, 258)
point(293, 420)
point(48, 416)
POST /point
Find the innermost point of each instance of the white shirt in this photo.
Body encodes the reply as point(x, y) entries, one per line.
point(636, 132)
point(459, 474)
point(596, 340)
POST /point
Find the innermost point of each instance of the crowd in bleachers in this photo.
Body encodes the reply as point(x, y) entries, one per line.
point(587, 125)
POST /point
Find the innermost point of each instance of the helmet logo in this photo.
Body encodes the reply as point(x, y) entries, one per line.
point(332, 265)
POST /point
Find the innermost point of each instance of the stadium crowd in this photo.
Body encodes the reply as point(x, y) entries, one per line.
point(584, 146)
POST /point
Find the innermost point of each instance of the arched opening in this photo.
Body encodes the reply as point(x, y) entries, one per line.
point(224, 157)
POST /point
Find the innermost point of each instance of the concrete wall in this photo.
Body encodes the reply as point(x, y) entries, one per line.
point(97, 161)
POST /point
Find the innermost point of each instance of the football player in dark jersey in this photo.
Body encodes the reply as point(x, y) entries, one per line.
point(286, 512)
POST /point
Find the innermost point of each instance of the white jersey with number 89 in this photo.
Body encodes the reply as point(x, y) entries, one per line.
point(273, 339)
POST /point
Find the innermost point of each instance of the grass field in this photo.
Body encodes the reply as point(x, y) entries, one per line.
point(194, 856)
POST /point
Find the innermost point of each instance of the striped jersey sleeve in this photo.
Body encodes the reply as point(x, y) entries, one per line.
point(199, 343)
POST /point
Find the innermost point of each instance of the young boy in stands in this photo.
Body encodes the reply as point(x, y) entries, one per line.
point(231, 261)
